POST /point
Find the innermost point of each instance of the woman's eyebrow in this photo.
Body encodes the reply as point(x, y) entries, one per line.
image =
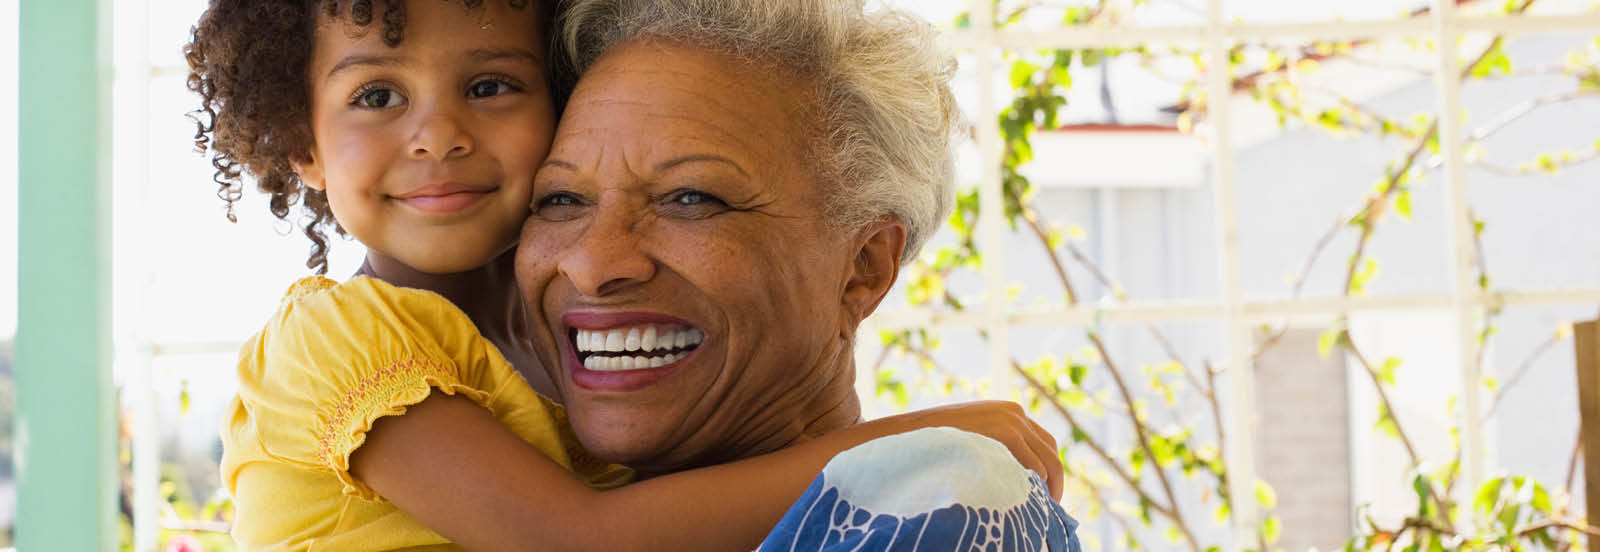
point(559, 164)
point(699, 158)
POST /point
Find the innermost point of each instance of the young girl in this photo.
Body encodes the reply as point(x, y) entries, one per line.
point(416, 126)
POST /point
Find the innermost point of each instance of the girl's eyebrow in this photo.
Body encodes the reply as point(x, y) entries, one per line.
point(352, 61)
point(479, 54)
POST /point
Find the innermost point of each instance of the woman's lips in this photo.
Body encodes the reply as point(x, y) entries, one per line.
point(617, 352)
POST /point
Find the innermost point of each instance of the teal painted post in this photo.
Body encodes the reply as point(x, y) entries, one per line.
point(65, 440)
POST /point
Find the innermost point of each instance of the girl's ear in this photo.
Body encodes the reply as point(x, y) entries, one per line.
point(309, 171)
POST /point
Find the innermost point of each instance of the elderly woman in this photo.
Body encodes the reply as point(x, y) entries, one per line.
point(756, 171)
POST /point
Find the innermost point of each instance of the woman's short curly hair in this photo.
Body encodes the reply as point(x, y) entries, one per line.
point(886, 117)
point(249, 63)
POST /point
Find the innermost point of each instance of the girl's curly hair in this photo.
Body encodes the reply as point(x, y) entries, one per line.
point(248, 62)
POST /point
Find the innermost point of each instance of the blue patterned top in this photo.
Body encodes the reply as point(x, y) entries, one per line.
point(930, 489)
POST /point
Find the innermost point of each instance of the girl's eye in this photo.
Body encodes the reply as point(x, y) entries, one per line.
point(489, 88)
point(379, 98)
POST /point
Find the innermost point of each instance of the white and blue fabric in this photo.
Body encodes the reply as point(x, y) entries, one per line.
point(933, 489)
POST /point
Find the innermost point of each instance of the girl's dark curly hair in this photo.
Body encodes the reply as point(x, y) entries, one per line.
point(248, 62)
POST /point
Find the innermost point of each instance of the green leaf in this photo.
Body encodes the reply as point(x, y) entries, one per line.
point(1402, 204)
point(1022, 72)
point(1077, 372)
point(1078, 436)
point(183, 397)
point(1423, 487)
point(1494, 62)
point(1330, 338)
point(1265, 496)
point(1487, 499)
point(1386, 424)
point(1386, 373)
point(1270, 529)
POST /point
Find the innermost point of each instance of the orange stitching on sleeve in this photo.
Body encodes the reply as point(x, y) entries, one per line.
point(380, 384)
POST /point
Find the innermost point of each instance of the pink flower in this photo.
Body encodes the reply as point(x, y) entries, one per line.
point(184, 543)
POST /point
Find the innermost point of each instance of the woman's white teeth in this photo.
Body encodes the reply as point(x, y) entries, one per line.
point(647, 340)
point(638, 339)
point(623, 363)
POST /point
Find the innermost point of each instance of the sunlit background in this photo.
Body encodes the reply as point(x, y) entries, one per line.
point(1134, 268)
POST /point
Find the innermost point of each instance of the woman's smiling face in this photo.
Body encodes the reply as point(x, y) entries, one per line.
point(679, 262)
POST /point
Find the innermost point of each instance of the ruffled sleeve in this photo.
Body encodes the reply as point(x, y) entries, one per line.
point(337, 358)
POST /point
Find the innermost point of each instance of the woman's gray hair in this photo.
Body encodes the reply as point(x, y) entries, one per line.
point(887, 117)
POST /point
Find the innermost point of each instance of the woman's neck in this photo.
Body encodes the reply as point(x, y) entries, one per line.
point(490, 298)
point(829, 404)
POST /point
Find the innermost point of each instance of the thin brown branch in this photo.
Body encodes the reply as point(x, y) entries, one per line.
point(1055, 259)
point(1388, 406)
point(1535, 169)
point(1522, 370)
point(1300, 283)
point(1523, 109)
point(1143, 434)
point(1170, 512)
point(1558, 524)
point(1105, 505)
point(1216, 417)
point(1572, 464)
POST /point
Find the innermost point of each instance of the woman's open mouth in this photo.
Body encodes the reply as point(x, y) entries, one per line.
point(639, 347)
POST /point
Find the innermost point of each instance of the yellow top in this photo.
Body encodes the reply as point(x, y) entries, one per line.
point(334, 359)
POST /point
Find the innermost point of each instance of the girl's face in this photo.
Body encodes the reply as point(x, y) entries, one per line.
point(427, 150)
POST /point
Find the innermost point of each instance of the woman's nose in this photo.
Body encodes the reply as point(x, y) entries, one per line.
point(608, 257)
point(440, 135)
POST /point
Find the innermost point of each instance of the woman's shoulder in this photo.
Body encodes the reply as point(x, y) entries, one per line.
point(939, 486)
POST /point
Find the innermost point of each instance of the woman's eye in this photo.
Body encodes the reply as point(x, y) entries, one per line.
point(693, 205)
point(692, 197)
point(378, 99)
point(488, 88)
point(557, 200)
point(558, 206)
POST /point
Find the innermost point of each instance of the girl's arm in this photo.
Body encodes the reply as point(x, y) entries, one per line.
point(450, 464)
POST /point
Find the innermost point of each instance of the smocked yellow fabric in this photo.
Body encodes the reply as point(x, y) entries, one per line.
point(333, 360)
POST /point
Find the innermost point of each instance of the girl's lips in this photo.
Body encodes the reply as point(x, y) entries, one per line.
point(444, 203)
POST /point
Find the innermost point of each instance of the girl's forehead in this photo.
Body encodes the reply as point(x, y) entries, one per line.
point(398, 21)
point(430, 28)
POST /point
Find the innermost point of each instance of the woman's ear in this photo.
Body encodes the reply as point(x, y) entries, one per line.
point(873, 270)
point(310, 171)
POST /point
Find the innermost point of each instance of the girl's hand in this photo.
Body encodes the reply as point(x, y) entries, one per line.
point(1003, 421)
